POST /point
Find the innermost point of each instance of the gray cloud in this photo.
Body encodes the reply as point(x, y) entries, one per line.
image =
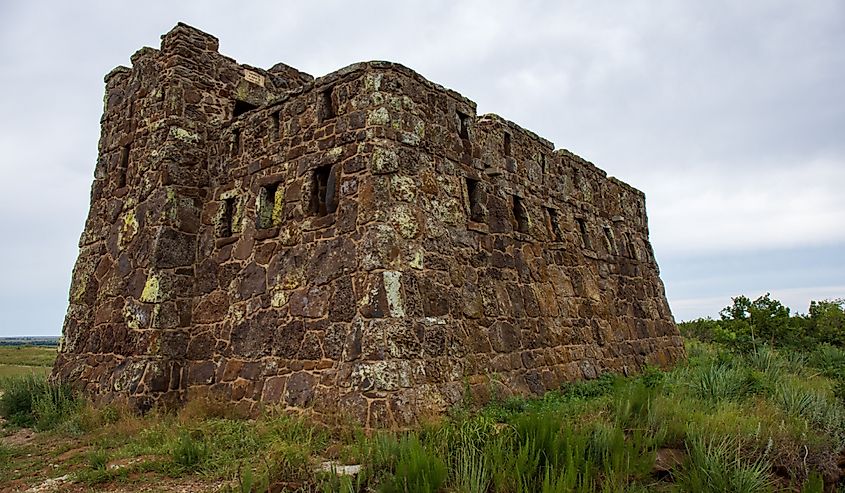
point(729, 115)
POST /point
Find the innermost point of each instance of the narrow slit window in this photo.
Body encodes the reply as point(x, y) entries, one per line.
point(269, 206)
point(328, 109)
point(275, 127)
point(463, 125)
point(225, 227)
point(476, 211)
point(520, 213)
point(242, 107)
point(237, 142)
point(554, 224)
point(122, 166)
point(585, 235)
point(543, 164)
point(632, 248)
point(323, 191)
point(609, 241)
point(507, 144)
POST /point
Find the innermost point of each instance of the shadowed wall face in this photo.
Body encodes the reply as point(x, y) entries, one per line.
point(360, 244)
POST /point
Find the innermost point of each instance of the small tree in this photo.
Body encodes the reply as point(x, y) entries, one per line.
point(826, 321)
point(762, 320)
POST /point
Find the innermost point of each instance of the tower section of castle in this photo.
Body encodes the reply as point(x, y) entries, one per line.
point(360, 244)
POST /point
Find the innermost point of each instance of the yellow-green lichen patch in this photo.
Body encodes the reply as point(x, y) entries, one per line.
point(405, 221)
point(403, 188)
point(292, 279)
point(334, 154)
point(416, 258)
point(279, 298)
point(180, 133)
point(384, 161)
point(382, 375)
point(279, 206)
point(151, 293)
point(128, 229)
point(372, 82)
point(378, 116)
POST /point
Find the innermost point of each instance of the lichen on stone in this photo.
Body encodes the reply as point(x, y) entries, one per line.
point(393, 291)
point(184, 135)
point(151, 293)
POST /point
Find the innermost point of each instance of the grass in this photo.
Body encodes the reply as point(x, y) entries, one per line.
point(27, 355)
point(763, 421)
point(26, 360)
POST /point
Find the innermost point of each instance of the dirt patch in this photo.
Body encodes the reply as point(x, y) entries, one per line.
point(72, 453)
point(18, 438)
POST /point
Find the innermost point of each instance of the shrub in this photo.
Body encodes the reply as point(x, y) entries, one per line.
point(830, 360)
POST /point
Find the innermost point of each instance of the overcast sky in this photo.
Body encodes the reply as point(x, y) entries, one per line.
point(729, 115)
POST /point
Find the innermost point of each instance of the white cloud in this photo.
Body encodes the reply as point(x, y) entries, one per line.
point(719, 208)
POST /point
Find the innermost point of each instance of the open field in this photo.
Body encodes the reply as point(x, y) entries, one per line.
point(23, 360)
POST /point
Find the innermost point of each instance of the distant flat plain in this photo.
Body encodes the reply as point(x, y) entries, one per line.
point(23, 359)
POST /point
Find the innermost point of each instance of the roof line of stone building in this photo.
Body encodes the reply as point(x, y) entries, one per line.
point(310, 83)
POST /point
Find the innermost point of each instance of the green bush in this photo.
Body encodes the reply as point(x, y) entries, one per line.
point(30, 400)
point(829, 359)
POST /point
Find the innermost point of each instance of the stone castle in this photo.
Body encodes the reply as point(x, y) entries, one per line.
point(362, 243)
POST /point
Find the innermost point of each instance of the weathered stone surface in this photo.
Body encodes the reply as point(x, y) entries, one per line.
point(362, 243)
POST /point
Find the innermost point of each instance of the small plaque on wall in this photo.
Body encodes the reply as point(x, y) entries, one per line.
point(254, 77)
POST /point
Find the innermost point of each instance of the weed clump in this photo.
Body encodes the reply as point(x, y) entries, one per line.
point(32, 401)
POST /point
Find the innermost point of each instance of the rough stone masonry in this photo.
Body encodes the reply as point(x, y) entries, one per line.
point(362, 243)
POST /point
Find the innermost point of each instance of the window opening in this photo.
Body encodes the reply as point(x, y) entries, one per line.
point(269, 206)
point(122, 166)
point(632, 248)
point(608, 240)
point(324, 191)
point(520, 213)
point(242, 107)
point(507, 143)
point(328, 109)
point(237, 142)
point(543, 164)
point(476, 212)
point(275, 124)
point(585, 236)
point(227, 218)
point(463, 125)
point(554, 224)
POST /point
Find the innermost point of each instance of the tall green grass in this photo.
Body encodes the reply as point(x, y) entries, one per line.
point(32, 401)
point(719, 466)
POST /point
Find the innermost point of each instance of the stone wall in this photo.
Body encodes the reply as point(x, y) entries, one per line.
point(361, 244)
